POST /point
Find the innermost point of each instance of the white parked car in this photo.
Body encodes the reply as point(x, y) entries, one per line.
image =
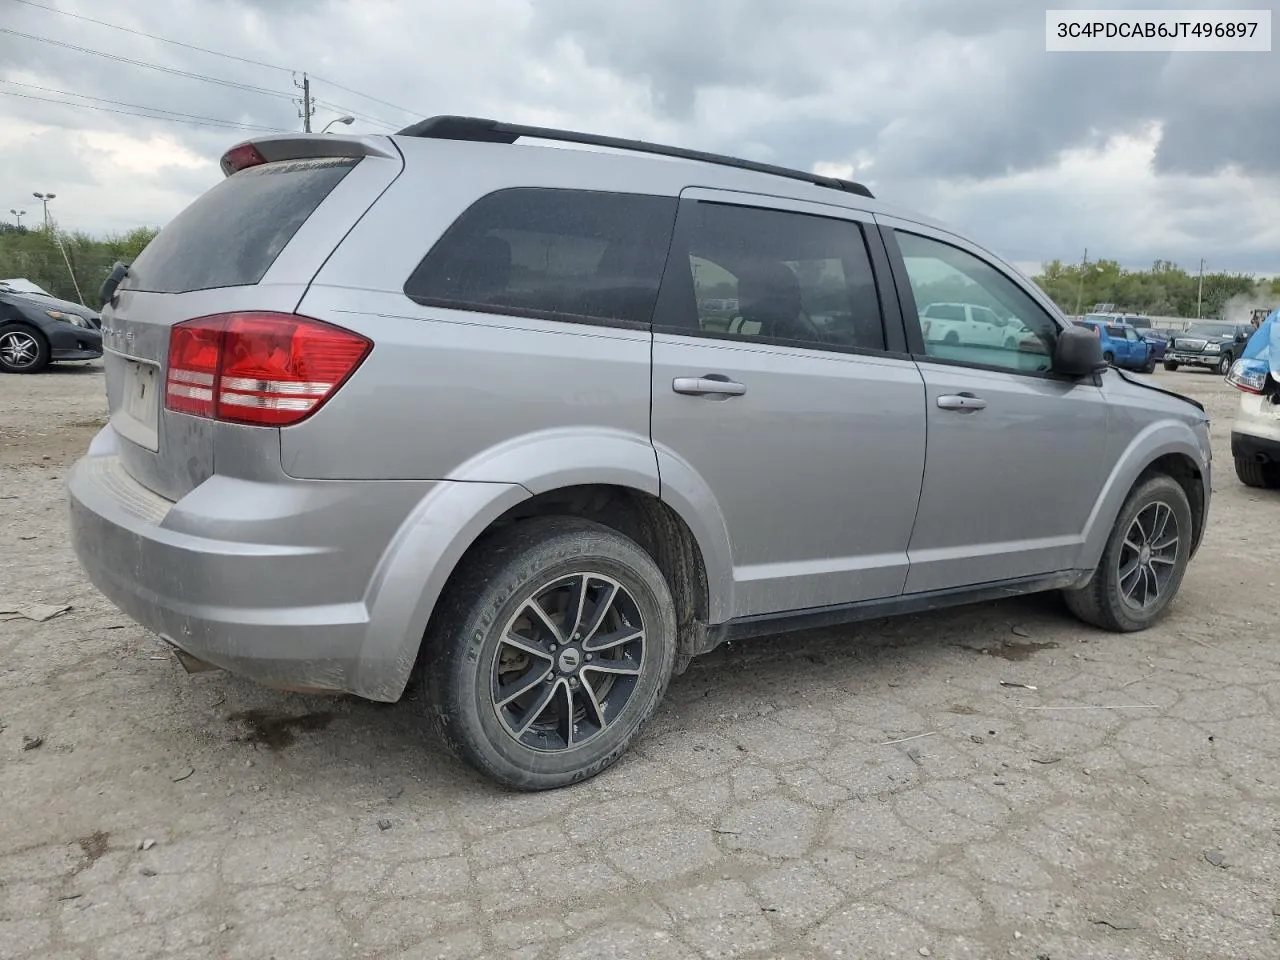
point(971, 324)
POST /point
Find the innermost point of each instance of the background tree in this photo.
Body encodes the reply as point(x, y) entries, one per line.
point(35, 255)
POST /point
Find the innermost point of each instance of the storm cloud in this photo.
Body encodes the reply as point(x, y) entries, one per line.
point(953, 108)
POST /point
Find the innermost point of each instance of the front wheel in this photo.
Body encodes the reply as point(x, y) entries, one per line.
point(22, 349)
point(1109, 357)
point(551, 649)
point(1150, 367)
point(1224, 365)
point(1170, 366)
point(1144, 560)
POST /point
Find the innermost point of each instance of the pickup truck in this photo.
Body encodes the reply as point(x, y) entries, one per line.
point(1214, 344)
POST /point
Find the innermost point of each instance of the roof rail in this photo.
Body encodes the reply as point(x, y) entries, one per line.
point(479, 130)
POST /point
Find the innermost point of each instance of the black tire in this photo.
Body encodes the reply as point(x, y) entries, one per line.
point(1251, 473)
point(23, 349)
point(1110, 358)
point(952, 337)
point(489, 598)
point(1110, 599)
point(1224, 365)
point(1150, 367)
point(1170, 366)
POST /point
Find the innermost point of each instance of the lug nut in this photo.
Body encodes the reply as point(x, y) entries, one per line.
point(553, 648)
point(588, 656)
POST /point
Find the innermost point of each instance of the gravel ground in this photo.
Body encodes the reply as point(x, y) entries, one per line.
point(1126, 807)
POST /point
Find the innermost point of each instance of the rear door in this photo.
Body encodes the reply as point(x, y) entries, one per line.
point(798, 421)
point(1016, 455)
point(251, 242)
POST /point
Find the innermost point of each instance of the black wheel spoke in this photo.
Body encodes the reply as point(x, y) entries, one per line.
point(568, 662)
point(617, 638)
point(538, 707)
point(1148, 555)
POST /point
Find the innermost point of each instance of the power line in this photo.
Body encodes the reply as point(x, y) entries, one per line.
point(248, 87)
point(152, 36)
point(217, 53)
point(332, 83)
point(136, 106)
point(359, 116)
point(197, 121)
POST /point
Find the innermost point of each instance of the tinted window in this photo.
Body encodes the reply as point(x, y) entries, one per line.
point(1023, 336)
point(1212, 330)
point(780, 276)
point(1114, 331)
point(570, 254)
point(234, 232)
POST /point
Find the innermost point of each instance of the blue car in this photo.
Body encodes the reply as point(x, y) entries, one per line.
point(1122, 345)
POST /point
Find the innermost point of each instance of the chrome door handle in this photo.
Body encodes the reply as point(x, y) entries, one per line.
point(711, 385)
point(961, 402)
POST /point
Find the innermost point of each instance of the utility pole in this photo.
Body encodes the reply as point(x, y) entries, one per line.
point(306, 105)
point(1084, 263)
point(1200, 289)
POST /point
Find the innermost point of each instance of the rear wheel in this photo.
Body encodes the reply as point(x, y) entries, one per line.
point(1170, 365)
point(22, 349)
point(1254, 474)
point(551, 649)
point(1144, 560)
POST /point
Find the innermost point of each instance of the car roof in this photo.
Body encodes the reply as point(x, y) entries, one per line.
point(526, 163)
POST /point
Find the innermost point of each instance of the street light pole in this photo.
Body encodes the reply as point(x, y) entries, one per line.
point(1200, 289)
point(45, 198)
point(18, 215)
point(345, 120)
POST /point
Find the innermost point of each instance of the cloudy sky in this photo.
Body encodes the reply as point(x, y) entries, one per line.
point(951, 107)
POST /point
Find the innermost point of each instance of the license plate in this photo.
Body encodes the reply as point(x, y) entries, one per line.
point(139, 411)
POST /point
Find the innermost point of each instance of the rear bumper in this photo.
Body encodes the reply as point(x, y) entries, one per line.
point(1246, 446)
point(274, 582)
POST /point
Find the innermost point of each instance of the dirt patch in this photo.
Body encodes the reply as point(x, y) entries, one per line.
point(274, 731)
point(93, 846)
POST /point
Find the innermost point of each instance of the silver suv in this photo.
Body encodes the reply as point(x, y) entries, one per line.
point(539, 424)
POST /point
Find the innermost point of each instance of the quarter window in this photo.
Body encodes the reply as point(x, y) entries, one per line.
point(561, 254)
point(769, 275)
point(1002, 326)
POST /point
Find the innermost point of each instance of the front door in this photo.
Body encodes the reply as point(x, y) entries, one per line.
point(777, 406)
point(1016, 456)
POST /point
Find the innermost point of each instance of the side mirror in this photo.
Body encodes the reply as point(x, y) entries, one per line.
point(1078, 353)
point(1241, 336)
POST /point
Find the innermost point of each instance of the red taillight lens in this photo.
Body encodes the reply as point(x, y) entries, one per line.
point(238, 158)
point(264, 369)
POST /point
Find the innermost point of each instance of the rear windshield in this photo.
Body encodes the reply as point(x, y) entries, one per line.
point(560, 254)
point(234, 232)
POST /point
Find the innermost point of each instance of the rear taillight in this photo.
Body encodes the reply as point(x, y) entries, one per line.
point(265, 369)
point(238, 158)
point(1249, 376)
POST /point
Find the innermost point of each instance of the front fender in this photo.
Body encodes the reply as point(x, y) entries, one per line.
point(1159, 439)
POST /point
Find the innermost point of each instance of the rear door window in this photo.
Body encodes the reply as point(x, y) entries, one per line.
point(232, 234)
point(560, 254)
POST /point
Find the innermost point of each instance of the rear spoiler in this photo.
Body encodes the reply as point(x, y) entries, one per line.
point(304, 146)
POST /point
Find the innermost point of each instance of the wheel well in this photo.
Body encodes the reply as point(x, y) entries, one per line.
point(1184, 470)
point(650, 523)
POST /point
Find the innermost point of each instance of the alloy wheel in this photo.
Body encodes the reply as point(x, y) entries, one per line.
point(568, 662)
point(19, 349)
point(1148, 556)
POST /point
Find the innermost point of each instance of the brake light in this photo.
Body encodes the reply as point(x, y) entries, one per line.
point(263, 369)
point(238, 158)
